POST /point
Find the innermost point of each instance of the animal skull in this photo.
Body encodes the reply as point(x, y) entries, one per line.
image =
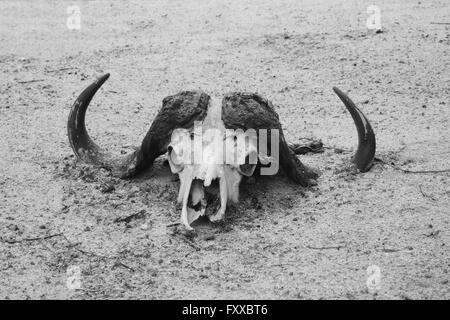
point(207, 147)
point(210, 161)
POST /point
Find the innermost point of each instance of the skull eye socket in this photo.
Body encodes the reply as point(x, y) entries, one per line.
point(247, 168)
point(174, 160)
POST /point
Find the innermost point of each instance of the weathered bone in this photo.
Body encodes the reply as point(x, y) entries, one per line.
point(219, 160)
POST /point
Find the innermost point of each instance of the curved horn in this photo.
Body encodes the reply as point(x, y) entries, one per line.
point(79, 139)
point(86, 149)
point(365, 153)
point(178, 111)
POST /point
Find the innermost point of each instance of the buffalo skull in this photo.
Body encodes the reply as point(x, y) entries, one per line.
point(208, 145)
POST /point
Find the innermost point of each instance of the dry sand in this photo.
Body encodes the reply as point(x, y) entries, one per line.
point(281, 241)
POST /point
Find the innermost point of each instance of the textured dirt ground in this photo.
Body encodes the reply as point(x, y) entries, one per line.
point(280, 241)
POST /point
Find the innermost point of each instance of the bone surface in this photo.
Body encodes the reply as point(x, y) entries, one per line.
point(204, 165)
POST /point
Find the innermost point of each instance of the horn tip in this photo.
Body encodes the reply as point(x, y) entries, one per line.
point(338, 91)
point(103, 78)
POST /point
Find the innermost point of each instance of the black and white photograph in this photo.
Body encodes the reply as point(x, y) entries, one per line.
point(224, 150)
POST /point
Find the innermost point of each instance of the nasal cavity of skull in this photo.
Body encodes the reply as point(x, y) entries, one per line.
point(201, 196)
point(196, 195)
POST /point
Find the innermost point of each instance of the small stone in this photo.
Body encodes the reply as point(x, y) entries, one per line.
point(13, 227)
point(107, 188)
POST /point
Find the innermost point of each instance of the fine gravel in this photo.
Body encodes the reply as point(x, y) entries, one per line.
point(59, 217)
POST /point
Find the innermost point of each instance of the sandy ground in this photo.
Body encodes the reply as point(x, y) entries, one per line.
point(281, 241)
